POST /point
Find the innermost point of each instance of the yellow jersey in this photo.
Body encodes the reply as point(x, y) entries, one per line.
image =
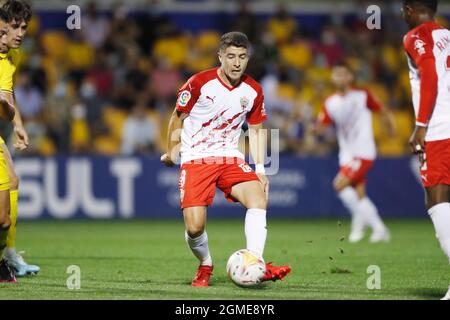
point(9, 62)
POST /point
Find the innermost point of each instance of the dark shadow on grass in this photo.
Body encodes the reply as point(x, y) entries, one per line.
point(429, 293)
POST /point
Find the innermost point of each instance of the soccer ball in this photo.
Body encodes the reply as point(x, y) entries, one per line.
point(245, 268)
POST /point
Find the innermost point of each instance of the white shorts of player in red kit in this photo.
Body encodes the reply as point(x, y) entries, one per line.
point(199, 179)
point(356, 170)
point(435, 163)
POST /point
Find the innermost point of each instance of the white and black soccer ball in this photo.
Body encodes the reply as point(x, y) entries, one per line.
point(245, 268)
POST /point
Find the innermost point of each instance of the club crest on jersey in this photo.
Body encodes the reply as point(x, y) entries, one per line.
point(184, 98)
point(244, 103)
point(419, 45)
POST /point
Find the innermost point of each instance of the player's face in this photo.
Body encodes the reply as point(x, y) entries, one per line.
point(407, 14)
point(17, 32)
point(3, 36)
point(234, 61)
point(342, 77)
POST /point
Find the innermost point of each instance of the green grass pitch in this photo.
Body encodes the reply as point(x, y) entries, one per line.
point(149, 259)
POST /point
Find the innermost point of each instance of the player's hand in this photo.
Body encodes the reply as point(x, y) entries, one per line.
point(23, 140)
point(417, 140)
point(167, 160)
point(265, 184)
point(313, 129)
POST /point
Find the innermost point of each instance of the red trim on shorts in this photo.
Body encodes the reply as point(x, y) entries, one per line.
point(356, 170)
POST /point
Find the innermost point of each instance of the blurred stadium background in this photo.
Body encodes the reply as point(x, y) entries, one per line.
point(96, 101)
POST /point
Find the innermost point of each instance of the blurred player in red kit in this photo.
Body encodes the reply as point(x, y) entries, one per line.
point(427, 46)
point(211, 109)
point(350, 110)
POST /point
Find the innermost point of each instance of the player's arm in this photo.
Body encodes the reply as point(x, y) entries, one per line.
point(388, 121)
point(318, 128)
point(419, 49)
point(323, 121)
point(22, 137)
point(428, 94)
point(386, 117)
point(7, 109)
point(173, 138)
point(258, 138)
point(257, 145)
point(187, 98)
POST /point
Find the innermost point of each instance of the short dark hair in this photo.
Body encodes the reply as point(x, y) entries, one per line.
point(344, 64)
point(429, 4)
point(235, 39)
point(18, 10)
point(4, 15)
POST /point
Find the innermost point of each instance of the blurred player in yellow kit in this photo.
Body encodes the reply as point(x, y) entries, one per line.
point(19, 14)
point(7, 113)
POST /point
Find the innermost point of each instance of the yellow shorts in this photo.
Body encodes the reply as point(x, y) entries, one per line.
point(4, 179)
point(2, 141)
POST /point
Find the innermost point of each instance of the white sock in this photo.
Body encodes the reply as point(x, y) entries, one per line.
point(200, 249)
point(10, 252)
point(370, 214)
point(350, 199)
point(256, 230)
point(440, 215)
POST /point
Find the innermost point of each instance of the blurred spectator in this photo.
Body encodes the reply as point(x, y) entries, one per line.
point(273, 102)
point(328, 51)
point(282, 26)
point(80, 57)
point(140, 133)
point(80, 135)
point(246, 21)
point(28, 97)
point(165, 81)
point(95, 28)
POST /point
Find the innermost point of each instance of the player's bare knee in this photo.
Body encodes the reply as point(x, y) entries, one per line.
point(257, 203)
point(195, 231)
point(436, 196)
point(430, 203)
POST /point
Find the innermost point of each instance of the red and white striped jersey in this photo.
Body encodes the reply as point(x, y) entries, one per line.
point(428, 51)
point(351, 114)
point(216, 113)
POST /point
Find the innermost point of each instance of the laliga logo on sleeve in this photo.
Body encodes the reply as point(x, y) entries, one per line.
point(184, 98)
point(419, 45)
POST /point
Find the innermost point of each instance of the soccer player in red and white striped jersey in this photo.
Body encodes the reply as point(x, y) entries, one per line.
point(211, 109)
point(350, 109)
point(427, 46)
